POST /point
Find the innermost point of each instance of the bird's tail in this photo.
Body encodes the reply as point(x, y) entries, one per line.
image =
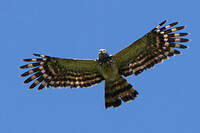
point(118, 90)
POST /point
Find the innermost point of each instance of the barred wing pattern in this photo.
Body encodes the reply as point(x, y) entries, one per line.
point(60, 73)
point(151, 49)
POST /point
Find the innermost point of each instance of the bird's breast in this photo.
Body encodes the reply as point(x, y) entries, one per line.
point(109, 71)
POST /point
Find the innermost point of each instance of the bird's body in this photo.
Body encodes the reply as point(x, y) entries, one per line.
point(116, 86)
point(107, 66)
point(151, 49)
point(109, 70)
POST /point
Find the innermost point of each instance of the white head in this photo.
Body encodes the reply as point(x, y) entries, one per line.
point(102, 51)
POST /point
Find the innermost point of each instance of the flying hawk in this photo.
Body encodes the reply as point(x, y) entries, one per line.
point(154, 47)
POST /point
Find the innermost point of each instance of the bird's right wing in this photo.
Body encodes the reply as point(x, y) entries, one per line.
point(60, 72)
point(152, 48)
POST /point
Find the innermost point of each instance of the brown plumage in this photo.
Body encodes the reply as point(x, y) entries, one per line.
point(117, 90)
point(154, 47)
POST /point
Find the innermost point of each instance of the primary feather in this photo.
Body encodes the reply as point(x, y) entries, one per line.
point(151, 49)
point(59, 72)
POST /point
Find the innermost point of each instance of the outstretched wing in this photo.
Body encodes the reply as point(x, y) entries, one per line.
point(152, 48)
point(59, 72)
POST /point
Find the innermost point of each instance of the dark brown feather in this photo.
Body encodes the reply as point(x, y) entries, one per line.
point(118, 90)
point(50, 74)
point(161, 46)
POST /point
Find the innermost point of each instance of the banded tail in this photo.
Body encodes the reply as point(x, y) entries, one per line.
point(118, 90)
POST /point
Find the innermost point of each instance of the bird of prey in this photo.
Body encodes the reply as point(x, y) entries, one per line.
point(157, 45)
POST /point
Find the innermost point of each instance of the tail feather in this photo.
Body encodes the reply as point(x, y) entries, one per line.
point(118, 90)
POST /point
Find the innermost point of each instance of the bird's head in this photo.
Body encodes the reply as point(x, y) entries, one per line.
point(102, 51)
point(103, 55)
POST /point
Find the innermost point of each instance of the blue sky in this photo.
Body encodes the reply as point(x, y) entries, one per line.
point(168, 98)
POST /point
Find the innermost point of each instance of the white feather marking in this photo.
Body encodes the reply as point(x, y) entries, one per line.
point(177, 40)
point(41, 67)
point(162, 32)
point(165, 36)
point(30, 65)
point(42, 55)
point(168, 26)
point(131, 65)
point(31, 71)
point(45, 75)
point(172, 50)
point(36, 82)
point(158, 31)
point(174, 29)
point(166, 53)
point(166, 44)
point(49, 77)
point(41, 63)
point(157, 26)
point(176, 34)
point(68, 82)
point(52, 82)
point(77, 83)
point(43, 71)
point(177, 45)
point(34, 59)
point(160, 56)
point(98, 78)
point(72, 83)
point(44, 83)
point(33, 77)
point(165, 39)
point(138, 68)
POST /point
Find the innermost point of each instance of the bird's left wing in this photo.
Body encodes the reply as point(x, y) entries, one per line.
point(60, 72)
point(152, 48)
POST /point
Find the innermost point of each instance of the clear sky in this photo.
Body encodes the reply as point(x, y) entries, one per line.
point(168, 100)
